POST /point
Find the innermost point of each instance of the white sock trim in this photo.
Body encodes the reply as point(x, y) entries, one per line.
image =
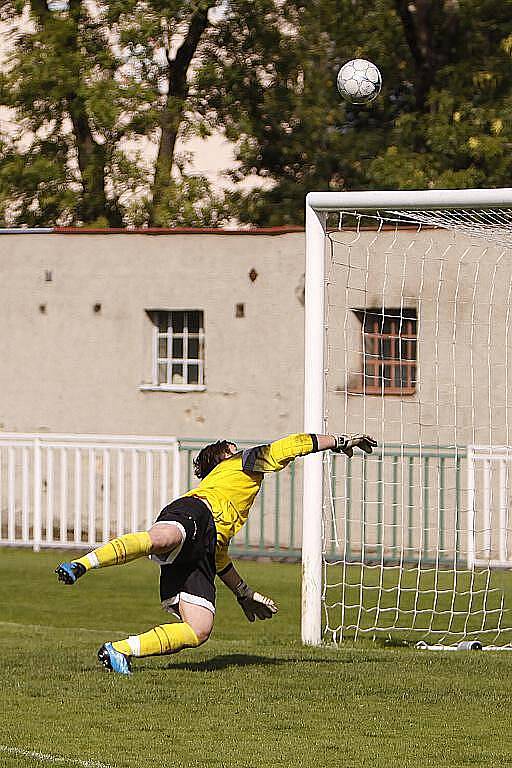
point(134, 643)
point(93, 560)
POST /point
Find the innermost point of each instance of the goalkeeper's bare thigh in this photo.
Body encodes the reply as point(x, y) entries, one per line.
point(190, 577)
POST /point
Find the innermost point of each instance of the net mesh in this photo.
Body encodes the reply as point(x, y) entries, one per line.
point(416, 537)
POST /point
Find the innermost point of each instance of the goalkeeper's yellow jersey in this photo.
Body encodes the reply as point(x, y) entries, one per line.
point(231, 487)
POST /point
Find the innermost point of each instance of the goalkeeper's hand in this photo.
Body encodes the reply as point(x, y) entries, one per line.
point(254, 605)
point(346, 443)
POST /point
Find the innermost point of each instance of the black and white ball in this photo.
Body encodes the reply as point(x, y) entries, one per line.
point(359, 81)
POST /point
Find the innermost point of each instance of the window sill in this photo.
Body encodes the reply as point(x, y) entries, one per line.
point(378, 391)
point(172, 387)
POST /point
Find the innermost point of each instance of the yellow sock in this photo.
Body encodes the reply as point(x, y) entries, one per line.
point(117, 551)
point(167, 638)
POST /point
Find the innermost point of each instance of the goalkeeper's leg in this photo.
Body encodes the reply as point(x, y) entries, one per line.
point(192, 631)
point(161, 538)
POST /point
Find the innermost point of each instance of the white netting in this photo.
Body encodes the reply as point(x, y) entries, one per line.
point(417, 537)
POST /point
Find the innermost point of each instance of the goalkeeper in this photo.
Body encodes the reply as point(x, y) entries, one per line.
point(190, 540)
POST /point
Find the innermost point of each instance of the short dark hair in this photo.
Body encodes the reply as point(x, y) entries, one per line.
point(209, 456)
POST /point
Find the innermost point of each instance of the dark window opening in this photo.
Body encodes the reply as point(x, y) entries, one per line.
point(390, 350)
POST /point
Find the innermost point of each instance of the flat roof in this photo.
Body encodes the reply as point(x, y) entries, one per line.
point(284, 230)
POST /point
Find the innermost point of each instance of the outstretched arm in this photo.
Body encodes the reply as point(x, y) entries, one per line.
point(254, 605)
point(277, 455)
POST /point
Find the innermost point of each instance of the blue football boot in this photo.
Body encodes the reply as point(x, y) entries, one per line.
point(70, 572)
point(114, 660)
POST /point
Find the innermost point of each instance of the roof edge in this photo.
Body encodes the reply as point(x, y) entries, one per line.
point(157, 231)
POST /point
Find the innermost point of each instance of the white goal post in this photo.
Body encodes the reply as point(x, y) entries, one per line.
point(347, 269)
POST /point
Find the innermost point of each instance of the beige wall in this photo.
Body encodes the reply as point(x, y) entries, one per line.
point(461, 289)
point(70, 369)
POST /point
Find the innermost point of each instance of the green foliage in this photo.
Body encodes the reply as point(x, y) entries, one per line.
point(84, 88)
point(444, 118)
point(189, 202)
point(87, 87)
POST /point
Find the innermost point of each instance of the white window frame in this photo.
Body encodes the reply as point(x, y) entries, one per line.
point(185, 360)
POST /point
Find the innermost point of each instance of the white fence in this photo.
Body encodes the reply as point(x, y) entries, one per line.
point(79, 490)
point(489, 537)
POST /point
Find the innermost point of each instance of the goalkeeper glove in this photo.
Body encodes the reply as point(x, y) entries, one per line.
point(346, 443)
point(254, 605)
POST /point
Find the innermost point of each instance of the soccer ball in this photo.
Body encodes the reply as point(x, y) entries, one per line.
point(359, 81)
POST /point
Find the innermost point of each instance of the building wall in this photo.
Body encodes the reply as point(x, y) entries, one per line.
point(67, 368)
point(70, 369)
point(461, 290)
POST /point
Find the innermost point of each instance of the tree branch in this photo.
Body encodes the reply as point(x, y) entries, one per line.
point(418, 22)
point(172, 112)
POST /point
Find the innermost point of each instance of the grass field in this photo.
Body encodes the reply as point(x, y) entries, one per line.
point(252, 697)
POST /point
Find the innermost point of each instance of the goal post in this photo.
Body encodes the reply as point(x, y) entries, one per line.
point(400, 298)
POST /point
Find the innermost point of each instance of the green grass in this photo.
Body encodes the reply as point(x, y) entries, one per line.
point(436, 604)
point(252, 697)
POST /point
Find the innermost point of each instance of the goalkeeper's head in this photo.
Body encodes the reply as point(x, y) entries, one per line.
point(211, 455)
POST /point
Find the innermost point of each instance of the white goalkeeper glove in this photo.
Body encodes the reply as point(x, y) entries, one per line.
point(346, 443)
point(254, 605)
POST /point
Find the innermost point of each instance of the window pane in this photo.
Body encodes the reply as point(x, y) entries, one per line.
point(179, 339)
point(372, 372)
point(162, 346)
point(162, 319)
point(193, 320)
point(177, 321)
point(193, 348)
point(386, 348)
point(177, 348)
point(162, 373)
point(371, 348)
point(193, 374)
point(389, 339)
point(177, 373)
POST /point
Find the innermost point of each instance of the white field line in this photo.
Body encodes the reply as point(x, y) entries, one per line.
point(62, 629)
point(45, 758)
point(108, 632)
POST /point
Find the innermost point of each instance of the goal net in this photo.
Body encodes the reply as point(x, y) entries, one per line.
point(409, 339)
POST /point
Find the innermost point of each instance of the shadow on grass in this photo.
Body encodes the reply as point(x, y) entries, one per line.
point(218, 663)
point(233, 660)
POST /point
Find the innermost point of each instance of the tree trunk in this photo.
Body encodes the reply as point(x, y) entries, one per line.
point(428, 53)
point(91, 154)
point(172, 112)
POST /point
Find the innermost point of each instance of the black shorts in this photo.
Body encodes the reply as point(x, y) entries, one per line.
point(189, 574)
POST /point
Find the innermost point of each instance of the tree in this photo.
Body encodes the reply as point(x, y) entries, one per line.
point(87, 86)
point(84, 86)
point(443, 119)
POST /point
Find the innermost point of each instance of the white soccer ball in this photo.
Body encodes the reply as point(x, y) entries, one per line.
point(359, 81)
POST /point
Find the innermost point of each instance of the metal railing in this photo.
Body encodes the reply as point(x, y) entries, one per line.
point(408, 502)
point(404, 502)
point(79, 490)
point(76, 491)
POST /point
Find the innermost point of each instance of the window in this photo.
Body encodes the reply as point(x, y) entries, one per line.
point(390, 351)
point(178, 349)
